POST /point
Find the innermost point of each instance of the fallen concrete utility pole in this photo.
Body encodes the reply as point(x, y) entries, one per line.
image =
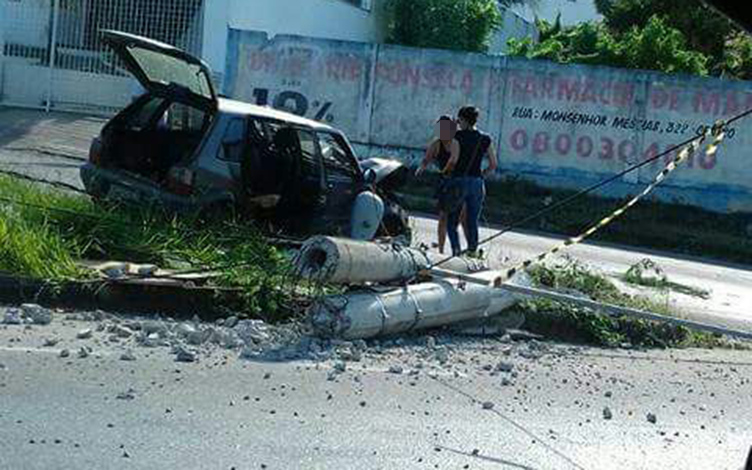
point(345, 261)
point(526, 291)
point(370, 313)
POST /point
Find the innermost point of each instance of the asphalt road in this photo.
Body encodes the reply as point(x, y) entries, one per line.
point(227, 412)
point(224, 412)
point(51, 146)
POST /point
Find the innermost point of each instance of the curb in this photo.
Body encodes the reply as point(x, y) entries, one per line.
point(176, 301)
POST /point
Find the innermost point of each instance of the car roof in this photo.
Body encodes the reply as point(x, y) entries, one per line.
point(229, 106)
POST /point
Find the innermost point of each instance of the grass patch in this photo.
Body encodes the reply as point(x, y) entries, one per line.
point(572, 323)
point(648, 274)
point(671, 227)
point(47, 244)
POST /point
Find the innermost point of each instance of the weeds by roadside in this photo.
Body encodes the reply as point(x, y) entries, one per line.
point(578, 324)
point(647, 273)
point(49, 244)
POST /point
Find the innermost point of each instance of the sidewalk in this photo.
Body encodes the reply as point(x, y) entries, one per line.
point(46, 145)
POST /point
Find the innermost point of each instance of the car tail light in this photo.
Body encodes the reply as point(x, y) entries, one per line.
point(95, 152)
point(180, 181)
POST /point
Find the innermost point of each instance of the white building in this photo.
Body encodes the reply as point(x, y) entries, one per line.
point(349, 20)
point(513, 26)
point(572, 11)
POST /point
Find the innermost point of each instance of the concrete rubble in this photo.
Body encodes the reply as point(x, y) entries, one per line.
point(412, 356)
point(27, 314)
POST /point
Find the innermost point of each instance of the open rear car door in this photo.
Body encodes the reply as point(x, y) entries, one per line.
point(164, 70)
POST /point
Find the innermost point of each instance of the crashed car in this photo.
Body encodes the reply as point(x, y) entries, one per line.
point(183, 147)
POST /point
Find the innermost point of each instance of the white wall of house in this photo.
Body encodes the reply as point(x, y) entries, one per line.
point(329, 19)
point(514, 26)
point(572, 11)
point(26, 17)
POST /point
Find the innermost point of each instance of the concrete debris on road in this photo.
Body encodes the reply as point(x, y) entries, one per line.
point(128, 355)
point(395, 369)
point(84, 334)
point(38, 314)
point(129, 394)
point(504, 367)
point(27, 314)
point(185, 355)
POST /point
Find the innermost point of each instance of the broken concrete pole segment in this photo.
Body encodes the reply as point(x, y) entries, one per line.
point(344, 261)
point(366, 314)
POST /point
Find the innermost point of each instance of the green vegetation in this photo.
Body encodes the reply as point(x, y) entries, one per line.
point(656, 46)
point(647, 273)
point(572, 323)
point(662, 226)
point(465, 25)
point(669, 36)
point(49, 243)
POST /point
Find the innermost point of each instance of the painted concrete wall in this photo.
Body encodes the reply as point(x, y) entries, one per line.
point(330, 19)
point(561, 125)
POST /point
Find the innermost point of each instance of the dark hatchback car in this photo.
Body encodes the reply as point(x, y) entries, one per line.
point(181, 146)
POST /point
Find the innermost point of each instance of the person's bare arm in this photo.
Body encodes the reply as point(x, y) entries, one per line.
point(453, 159)
point(430, 155)
point(492, 161)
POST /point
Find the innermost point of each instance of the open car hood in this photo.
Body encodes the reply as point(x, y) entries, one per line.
point(162, 69)
point(390, 174)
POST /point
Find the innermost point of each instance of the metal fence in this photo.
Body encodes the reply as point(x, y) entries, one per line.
point(52, 57)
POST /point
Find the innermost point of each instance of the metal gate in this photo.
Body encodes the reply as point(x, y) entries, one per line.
point(51, 55)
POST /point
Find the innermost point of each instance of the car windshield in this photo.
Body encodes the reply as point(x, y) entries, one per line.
point(375, 234)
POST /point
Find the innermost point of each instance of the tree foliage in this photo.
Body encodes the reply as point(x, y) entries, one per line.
point(706, 30)
point(443, 24)
point(656, 46)
point(666, 35)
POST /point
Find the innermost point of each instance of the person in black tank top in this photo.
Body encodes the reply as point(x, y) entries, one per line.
point(467, 173)
point(440, 151)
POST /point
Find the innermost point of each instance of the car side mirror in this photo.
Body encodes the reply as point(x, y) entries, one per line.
point(370, 176)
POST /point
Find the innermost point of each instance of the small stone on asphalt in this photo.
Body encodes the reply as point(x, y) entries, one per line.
point(84, 334)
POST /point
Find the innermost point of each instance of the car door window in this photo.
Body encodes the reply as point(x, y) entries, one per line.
point(181, 117)
point(337, 162)
point(142, 118)
point(233, 141)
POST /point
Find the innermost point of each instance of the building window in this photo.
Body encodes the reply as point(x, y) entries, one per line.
point(364, 4)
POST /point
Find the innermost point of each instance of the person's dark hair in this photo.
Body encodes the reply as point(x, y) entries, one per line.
point(469, 114)
point(444, 118)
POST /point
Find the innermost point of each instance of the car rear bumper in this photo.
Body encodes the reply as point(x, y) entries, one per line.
point(126, 187)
